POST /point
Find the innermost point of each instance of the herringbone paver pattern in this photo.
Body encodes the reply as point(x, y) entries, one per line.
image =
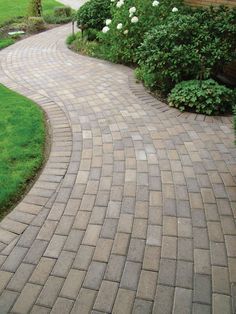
point(135, 209)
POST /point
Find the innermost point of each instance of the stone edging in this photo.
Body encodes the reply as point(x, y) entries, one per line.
point(56, 167)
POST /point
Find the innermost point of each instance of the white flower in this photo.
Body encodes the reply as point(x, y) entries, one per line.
point(134, 19)
point(126, 32)
point(119, 3)
point(105, 29)
point(108, 22)
point(175, 9)
point(119, 26)
point(132, 10)
point(155, 3)
point(112, 0)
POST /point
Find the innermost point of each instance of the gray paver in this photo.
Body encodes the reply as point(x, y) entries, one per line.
point(221, 304)
point(106, 296)
point(63, 264)
point(184, 274)
point(83, 257)
point(14, 259)
point(130, 276)
point(202, 289)
point(72, 284)
point(182, 301)
point(55, 246)
point(94, 275)
point(42, 270)
point(5, 277)
point(136, 250)
point(167, 272)
point(84, 302)
point(7, 299)
point(142, 306)
point(124, 301)
point(27, 298)
point(147, 285)
point(115, 268)
point(35, 252)
point(163, 300)
point(20, 277)
point(50, 291)
point(62, 306)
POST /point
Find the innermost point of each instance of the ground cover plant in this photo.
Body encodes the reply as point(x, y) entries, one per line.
point(22, 144)
point(204, 96)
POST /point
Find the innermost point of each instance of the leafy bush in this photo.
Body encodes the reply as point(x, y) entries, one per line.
point(186, 46)
point(35, 8)
point(5, 42)
point(52, 19)
point(93, 14)
point(129, 23)
point(70, 39)
point(80, 44)
point(36, 24)
point(62, 11)
point(10, 21)
point(207, 97)
point(22, 26)
point(91, 34)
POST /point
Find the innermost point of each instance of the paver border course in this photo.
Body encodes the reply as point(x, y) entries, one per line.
point(38, 197)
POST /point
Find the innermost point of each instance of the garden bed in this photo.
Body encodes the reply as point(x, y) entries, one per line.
point(16, 19)
point(179, 52)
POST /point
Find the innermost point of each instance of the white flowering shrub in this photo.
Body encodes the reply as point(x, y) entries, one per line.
point(130, 20)
point(93, 14)
point(187, 47)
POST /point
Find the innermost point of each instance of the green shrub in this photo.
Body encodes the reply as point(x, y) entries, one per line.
point(121, 44)
point(70, 39)
point(91, 34)
point(5, 42)
point(36, 24)
point(93, 14)
point(82, 45)
point(187, 47)
point(52, 19)
point(22, 26)
point(35, 8)
point(207, 97)
point(8, 22)
point(62, 11)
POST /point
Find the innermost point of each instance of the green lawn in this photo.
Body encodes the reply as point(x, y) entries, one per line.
point(22, 139)
point(14, 8)
point(5, 42)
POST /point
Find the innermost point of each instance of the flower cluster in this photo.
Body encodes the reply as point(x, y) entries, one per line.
point(132, 11)
point(120, 3)
point(155, 3)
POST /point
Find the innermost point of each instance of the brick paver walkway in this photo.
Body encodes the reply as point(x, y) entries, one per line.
point(134, 211)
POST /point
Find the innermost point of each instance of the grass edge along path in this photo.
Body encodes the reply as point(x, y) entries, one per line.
point(22, 145)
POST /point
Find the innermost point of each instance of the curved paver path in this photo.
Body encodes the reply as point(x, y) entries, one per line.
point(134, 211)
